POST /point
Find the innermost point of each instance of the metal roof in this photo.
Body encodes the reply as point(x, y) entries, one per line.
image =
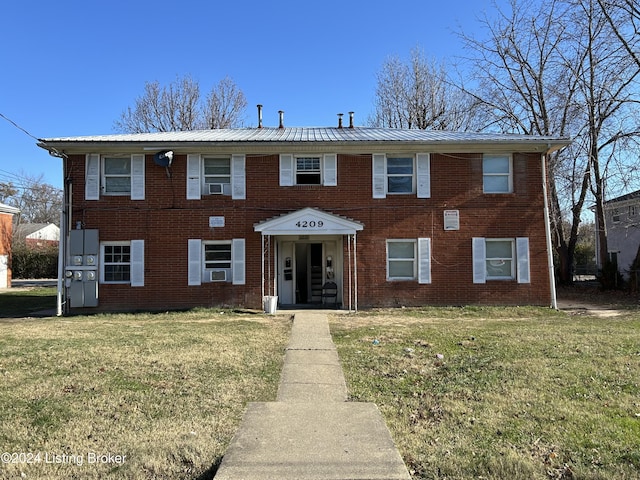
point(311, 134)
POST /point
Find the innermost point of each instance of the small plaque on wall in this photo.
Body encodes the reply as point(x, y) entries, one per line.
point(216, 222)
point(452, 220)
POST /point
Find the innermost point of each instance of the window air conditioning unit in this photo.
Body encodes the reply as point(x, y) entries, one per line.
point(216, 188)
point(218, 275)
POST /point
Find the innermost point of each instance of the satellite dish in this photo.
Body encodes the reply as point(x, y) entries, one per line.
point(163, 158)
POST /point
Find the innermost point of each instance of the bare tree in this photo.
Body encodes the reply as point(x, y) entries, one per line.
point(179, 107)
point(623, 17)
point(607, 83)
point(225, 104)
point(552, 68)
point(38, 202)
point(418, 95)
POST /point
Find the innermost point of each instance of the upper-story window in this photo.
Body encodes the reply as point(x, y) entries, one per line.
point(497, 174)
point(615, 215)
point(401, 175)
point(114, 175)
point(400, 178)
point(217, 175)
point(308, 171)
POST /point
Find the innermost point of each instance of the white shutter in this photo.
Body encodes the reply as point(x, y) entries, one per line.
point(195, 264)
point(330, 170)
point(92, 177)
point(479, 260)
point(424, 260)
point(423, 169)
point(238, 177)
point(286, 170)
point(522, 253)
point(379, 175)
point(137, 177)
point(137, 263)
point(193, 176)
point(237, 256)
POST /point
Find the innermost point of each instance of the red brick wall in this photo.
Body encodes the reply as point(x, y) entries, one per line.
point(6, 230)
point(166, 220)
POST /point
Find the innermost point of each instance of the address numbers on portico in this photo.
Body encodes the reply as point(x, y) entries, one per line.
point(310, 224)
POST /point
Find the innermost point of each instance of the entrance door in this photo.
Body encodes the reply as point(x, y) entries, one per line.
point(309, 273)
point(303, 268)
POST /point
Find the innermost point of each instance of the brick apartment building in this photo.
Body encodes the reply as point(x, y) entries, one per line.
point(6, 234)
point(229, 217)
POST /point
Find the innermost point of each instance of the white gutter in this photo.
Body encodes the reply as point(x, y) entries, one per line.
point(547, 227)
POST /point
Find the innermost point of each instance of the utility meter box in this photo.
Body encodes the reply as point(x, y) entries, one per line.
point(81, 275)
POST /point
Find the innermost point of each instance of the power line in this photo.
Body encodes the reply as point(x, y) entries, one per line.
point(18, 126)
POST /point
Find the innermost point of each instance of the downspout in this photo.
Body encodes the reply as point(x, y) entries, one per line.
point(349, 269)
point(355, 274)
point(63, 246)
point(262, 268)
point(547, 227)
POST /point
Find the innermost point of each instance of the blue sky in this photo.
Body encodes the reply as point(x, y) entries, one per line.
point(71, 67)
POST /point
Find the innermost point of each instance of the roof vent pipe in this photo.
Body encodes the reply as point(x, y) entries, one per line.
point(259, 116)
point(351, 119)
point(281, 113)
point(340, 120)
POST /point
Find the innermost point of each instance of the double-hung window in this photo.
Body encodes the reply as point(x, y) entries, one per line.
point(401, 259)
point(122, 262)
point(217, 255)
point(409, 259)
point(217, 175)
point(501, 259)
point(116, 262)
point(308, 171)
point(216, 261)
point(497, 173)
point(400, 175)
point(114, 175)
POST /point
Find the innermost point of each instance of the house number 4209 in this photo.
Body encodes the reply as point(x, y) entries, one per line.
point(309, 224)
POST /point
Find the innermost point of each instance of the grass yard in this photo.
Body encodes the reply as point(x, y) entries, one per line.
point(23, 302)
point(145, 396)
point(501, 393)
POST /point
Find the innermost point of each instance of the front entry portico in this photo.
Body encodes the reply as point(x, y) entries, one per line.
point(304, 250)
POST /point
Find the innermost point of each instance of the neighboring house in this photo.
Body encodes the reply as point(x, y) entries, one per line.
point(622, 223)
point(6, 234)
point(37, 235)
point(229, 217)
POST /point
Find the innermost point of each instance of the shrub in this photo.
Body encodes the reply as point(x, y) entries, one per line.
point(34, 263)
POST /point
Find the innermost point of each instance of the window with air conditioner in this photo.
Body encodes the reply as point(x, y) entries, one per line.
point(217, 175)
point(217, 261)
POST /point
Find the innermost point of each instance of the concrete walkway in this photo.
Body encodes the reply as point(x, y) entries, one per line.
point(311, 431)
